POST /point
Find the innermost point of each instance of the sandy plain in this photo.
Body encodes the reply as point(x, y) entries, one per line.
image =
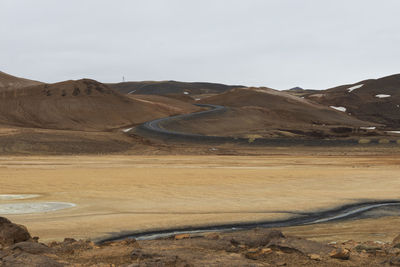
point(132, 193)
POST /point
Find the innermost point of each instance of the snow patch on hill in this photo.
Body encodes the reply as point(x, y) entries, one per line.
point(351, 89)
point(382, 96)
point(342, 109)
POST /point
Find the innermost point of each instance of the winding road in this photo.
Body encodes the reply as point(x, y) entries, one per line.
point(347, 212)
point(158, 129)
point(155, 125)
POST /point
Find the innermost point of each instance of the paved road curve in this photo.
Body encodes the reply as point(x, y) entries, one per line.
point(155, 125)
point(347, 212)
point(157, 129)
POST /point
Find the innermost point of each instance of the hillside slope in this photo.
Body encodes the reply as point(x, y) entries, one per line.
point(376, 100)
point(269, 113)
point(9, 82)
point(75, 105)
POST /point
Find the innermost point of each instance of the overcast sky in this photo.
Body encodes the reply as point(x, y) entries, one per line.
point(275, 43)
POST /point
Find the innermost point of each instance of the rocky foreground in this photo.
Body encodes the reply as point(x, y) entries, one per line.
point(259, 247)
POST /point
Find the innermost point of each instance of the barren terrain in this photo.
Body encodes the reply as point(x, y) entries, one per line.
point(136, 193)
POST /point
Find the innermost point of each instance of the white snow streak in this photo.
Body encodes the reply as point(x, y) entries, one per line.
point(395, 132)
point(382, 96)
point(342, 109)
point(351, 89)
point(127, 130)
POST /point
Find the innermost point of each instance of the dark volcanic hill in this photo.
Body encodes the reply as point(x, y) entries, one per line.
point(9, 82)
point(171, 87)
point(75, 105)
point(376, 100)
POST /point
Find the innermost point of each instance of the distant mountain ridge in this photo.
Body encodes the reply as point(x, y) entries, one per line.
point(171, 87)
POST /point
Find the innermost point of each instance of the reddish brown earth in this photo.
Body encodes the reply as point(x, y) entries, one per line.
point(84, 105)
point(259, 247)
point(9, 82)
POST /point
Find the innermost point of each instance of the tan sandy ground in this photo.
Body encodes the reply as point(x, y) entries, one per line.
point(116, 193)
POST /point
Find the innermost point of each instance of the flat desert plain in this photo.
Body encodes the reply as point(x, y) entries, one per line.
point(119, 193)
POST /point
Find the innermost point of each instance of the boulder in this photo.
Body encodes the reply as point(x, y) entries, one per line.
point(259, 238)
point(341, 254)
point(315, 257)
point(181, 236)
point(213, 236)
point(300, 245)
point(396, 242)
point(11, 233)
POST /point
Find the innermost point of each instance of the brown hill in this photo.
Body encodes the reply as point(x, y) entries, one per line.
point(9, 82)
point(371, 100)
point(268, 112)
point(171, 87)
point(175, 105)
point(76, 105)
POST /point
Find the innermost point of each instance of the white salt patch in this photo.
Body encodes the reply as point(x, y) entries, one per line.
point(382, 96)
point(395, 132)
point(13, 197)
point(38, 207)
point(127, 130)
point(368, 128)
point(342, 109)
point(197, 99)
point(131, 92)
point(186, 93)
point(351, 89)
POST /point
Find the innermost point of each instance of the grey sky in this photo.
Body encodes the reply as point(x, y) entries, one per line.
point(280, 43)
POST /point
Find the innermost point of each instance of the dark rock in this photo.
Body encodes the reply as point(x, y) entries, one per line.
point(367, 249)
point(263, 239)
point(11, 233)
point(70, 246)
point(213, 236)
point(138, 254)
point(253, 254)
point(69, 240)
point(395, 261)
point(25, 259)
point(4, 220)
point(234, 242)
point(303, 246)
point(396, 241)
point(32, 248)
